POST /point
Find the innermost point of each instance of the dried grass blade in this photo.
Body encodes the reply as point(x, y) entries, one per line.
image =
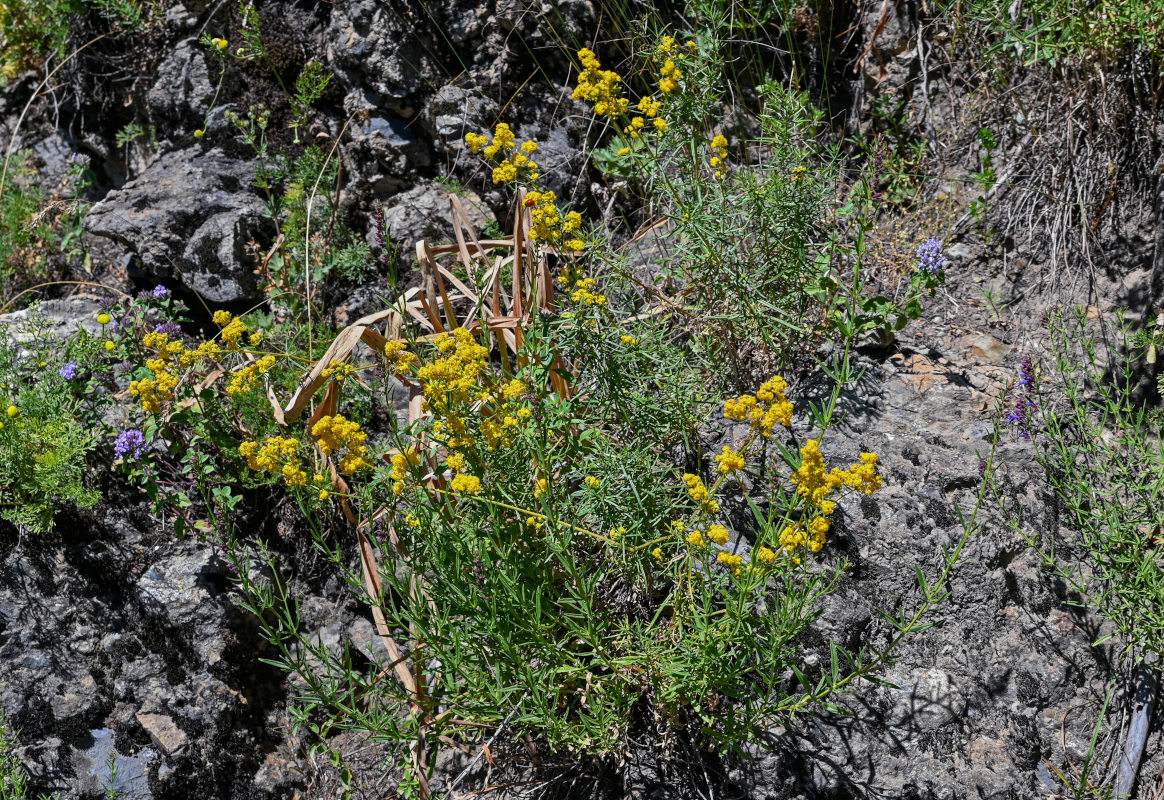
point(436, 271)
point(339, 351)
point(375, 589)
point(429, 309)
point(426, 272)
point(517, 279)
point(327, 407)
point(460, 220)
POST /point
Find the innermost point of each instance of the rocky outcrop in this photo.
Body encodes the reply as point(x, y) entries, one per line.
point(188, 217)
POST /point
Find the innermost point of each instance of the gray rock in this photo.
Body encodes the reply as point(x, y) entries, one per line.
point(383, 151)
point(57, 319)
point(101, 768)
point(189, 217)
point(454, 111)
point(182, 90)
point(375, 50)
point(166, 735)
point(925, 700)
point(424, 212)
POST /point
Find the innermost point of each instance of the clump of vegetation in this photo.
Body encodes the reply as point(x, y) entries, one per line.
point(1058, 30)
point(1099, 444)
point(32, 31)
point(532, 554)
point(44, 443)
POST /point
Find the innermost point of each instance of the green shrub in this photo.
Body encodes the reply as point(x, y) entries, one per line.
point(1099, 445)
point(532, 556)
point(33, 30)
point(1054, 30)
point(45, 438)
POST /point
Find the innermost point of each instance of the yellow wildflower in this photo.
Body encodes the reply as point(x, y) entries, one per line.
point(729, 461)
point(468, 484)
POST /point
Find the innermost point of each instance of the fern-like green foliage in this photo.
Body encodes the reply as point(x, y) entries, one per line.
point(42, 461)
point(45, 437)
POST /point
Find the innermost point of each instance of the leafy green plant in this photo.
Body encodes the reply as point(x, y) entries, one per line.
point(1055, 30)
point(533, 558)
point(743, 236)
point(44, 440)
point(13, 781)
point(32, 30)
point(309, 87)
point(1101, 451)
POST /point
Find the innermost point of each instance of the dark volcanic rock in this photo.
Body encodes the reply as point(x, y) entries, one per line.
point(182, 91)
point(188, 217)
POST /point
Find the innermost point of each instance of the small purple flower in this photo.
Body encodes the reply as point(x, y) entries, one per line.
point(1020, 417)
point(1027, 375)
point(930, 258)
point(69, 371)
point(106, 303)
point(160, 292)
point(169, 328)
point(129, 444)
point(982, 468)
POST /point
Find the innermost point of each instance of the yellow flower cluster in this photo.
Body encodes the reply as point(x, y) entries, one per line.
point(669, 75)
point(718, 533)
point(798, 173)
point(698, 492)
point(600, 87)
point(232, 329)
point(339, 370)
point(335, 433)
point(278, 455)
point(628, 340)
point(514, 162)
point(541, 488)
point(584, 293)
point(794, 537)
point(466, 484)
point(207, 351)
point(729, 461)
point(764, 410)
point(719, 154)
point(402, 462)
point(154, 392)
point(399, 358)
point(513, 389)
point(815, 485)
point(548, 223)
point(731, 561)
point(450, 383)
point(246, 378)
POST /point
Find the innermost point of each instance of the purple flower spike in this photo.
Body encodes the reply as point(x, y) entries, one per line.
point(160, 292)
point(69, 371)
point(930, 258)
point(130, 444)
point(170, 328)
point(1027, 375)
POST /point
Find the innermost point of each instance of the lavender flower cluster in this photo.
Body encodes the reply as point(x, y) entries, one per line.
point(930, 258)
point(1020, 414)
point(129, 444)
point(159, 292)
